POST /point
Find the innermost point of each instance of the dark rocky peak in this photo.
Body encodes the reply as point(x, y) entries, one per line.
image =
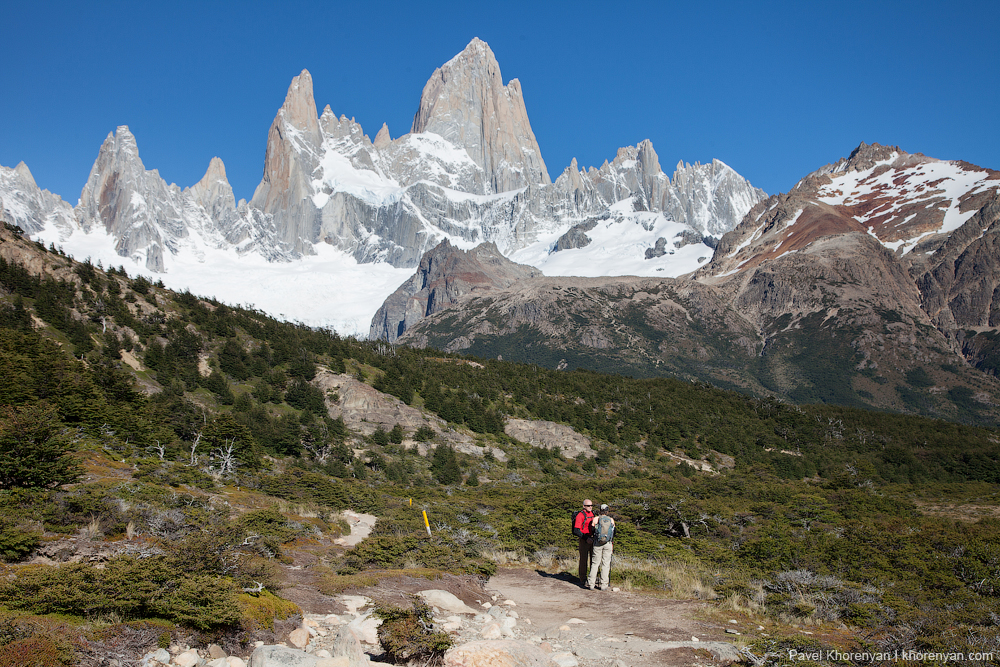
point(866, 156)
point(445, 274)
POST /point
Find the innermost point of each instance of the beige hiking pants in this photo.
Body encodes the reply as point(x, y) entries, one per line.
point(601, 561)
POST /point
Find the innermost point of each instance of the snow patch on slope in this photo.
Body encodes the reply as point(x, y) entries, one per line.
point(329, 289)
point(930, 183)
point(618, 248)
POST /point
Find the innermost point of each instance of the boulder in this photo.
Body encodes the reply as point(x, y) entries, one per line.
point(496, 653)
point(347, 647)
point(564, 659)
point(299, 637)
point(365, 628)
point(188, 658)
point(281, 656)
point(445, 601)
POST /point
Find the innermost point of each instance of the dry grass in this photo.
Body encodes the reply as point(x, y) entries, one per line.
point(92, 530)
point(750, 605)
point(504, 557)
point(332, 584)
point(681, 580)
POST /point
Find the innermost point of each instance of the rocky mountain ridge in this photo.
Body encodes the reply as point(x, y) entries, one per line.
point(470, 171)
point(873, 282)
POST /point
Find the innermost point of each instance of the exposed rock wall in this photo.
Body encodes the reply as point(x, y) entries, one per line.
point(445, 275)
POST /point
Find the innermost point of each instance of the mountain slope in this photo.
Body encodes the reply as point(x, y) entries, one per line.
point(870, 283)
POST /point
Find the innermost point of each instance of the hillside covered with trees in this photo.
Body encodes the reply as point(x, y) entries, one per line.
point(192, 438)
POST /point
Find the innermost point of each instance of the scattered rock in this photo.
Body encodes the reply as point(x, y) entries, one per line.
point(188, 658)
point(281, 656)
point(215, 652)
point(574, 621)
point(491, 631)
point(159, 655)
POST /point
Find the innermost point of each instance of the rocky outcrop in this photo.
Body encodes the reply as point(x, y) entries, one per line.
point(576, 237)
point(445, 274)
point(549, 435)
point(466, 102)
point(365, 409)
point(294, 150)
point(659, 249)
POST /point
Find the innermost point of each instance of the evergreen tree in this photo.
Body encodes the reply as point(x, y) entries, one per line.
point(444, 465)
point(33, 451)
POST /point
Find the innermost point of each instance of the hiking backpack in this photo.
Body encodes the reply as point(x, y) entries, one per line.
point(605, 531)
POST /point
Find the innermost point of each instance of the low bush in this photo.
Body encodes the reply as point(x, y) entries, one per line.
point(406, 637)
point(129, 587)
point(259, 610)
point(16, 542)
point(396, 552)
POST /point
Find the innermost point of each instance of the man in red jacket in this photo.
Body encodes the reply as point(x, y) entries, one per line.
point(582, 529)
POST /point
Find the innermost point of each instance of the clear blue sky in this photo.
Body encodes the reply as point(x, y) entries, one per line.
point(774, 89)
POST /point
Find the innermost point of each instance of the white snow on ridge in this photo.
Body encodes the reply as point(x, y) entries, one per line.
point(618, 248)
point(337, 174)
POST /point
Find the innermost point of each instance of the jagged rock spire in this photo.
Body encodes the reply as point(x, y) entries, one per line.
point(466, 102)
point(294, 145)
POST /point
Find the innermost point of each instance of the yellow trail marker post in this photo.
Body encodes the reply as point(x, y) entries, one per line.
point(427, 524)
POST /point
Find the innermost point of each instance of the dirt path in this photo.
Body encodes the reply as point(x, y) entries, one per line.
point(300, 579)
point(361, 527)
point(639, 629)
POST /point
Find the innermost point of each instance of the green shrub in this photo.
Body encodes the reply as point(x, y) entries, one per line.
point(129, 587)
point(385, 552)
point(17, 542)
point(259, 611)
point(406, 637)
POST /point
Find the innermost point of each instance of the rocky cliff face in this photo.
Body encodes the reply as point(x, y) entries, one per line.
point(466, 102)
point(147, 217)
point(24, 204)
point(444, 276)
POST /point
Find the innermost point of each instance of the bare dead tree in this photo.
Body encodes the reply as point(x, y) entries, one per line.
point(158, 448)
point(194, 447)
point(226, 457)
